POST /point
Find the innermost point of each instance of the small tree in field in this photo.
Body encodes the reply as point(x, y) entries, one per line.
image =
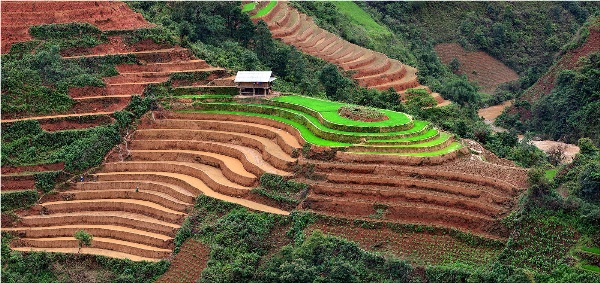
point(84, 238)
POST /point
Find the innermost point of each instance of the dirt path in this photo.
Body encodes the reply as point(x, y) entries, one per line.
point(92, 251)
point(491, 113)
point(55, 116)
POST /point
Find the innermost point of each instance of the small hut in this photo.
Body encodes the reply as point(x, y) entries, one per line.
point(254, 82)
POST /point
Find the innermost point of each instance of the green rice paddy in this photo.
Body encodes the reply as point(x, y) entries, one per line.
point(248, 7)
point(265, 10)
point(329, 112)
point(314, 119)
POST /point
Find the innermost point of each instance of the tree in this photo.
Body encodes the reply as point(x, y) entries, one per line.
point(461, 91)
point(590, 182)
point(83, 238)
point(454, 65)
point(333, 82)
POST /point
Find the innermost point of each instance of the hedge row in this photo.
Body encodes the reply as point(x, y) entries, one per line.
point(19, 199)
point(45, 181)
point(68, 35)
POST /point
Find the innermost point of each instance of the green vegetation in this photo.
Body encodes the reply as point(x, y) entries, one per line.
point(83, 239)
point(18, 199)
point(68, 35)
point(21, 267)
point(524, 36)
point(287, 193)
point(329, 111)
point(265, 10)
point(591, 250)
point(248, 7)
point(25, 143)
point(38, 83)
point(550, 174)
point(361, 18)
point(569, 112)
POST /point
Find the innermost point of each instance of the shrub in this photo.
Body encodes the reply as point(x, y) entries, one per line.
point(20, 199)
point(45, 181)
point(83, 239)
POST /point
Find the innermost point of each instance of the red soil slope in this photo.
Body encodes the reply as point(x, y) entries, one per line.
point(567, 62)
point(157, 62)
point(188, 264)
point(17, 17)
point(478, 66)
point(373, 69)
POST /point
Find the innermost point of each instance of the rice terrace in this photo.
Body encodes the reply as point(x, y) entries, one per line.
point(275, 141)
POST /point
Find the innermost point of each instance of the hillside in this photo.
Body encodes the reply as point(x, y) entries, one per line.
point(479, 67)
point(128, 155)
point(370, 69)
point(561, 104)
point(523, 36)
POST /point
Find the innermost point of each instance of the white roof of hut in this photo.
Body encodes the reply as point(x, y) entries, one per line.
point(254, 77)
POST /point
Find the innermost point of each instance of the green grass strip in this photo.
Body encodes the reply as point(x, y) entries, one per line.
point(428, 134)
point(442, 138)
point(591, 250)
point(590, 267)
point(248, 7)
point(265, 10)
point(452, 147)
point(304, 131)
point(550, 174)
point(360, 17)
point(329, 111)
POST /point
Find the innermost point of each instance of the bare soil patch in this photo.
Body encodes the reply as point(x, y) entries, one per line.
point(187, 264)
point(570, 150)
point(33, 168)
point(423, 248)
point(63, 124)
point(478, 66)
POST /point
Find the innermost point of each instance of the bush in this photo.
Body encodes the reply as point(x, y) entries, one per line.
point(589, 180)
point(63, 31)
point(45, 181)
point(20, 199)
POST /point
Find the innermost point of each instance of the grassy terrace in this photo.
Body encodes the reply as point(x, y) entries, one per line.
point(302, 112)
point(201, 96)
point(454, 146)
point(315, 125)
point(248, 7)
point(309, 136)
point(265, 10)
point(360, 17)
point(320, 124)
point(329, 111)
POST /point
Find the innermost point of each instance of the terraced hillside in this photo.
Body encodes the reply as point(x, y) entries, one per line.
point(480, 67)
point(372, 69)
point(134, 203)
point(18, 16)
point(372, 177)
point(139, 226)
